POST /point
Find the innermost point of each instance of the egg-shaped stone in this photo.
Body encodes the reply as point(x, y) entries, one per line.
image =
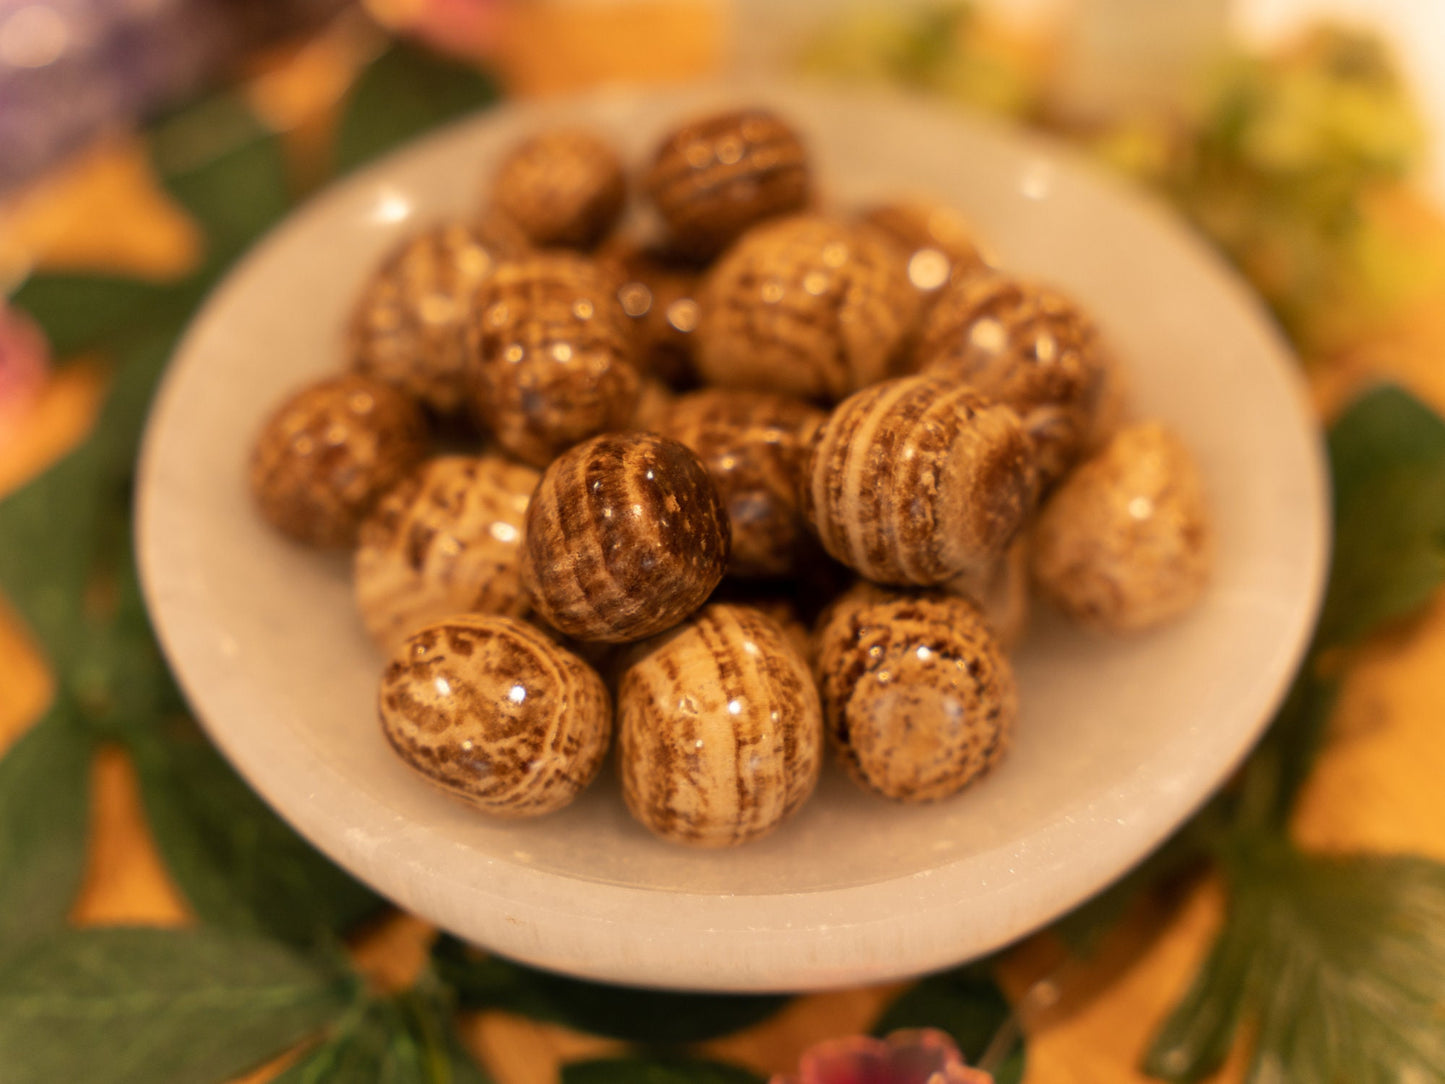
point(496, 713)
point(550, 356)
point(919, 700)
point(755, 446)
point(1125, 543)
point(719, 729)
point(810, 306)
point(940, 244)
point(408, 326)
point(445, 540)
point(1026, 345)
point(718, 175)
point(625, 537)
point(329, 451)
point(919, 479)
point(659, 293)
point(564, 187)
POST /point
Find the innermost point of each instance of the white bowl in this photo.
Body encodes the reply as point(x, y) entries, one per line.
point(1118, 741)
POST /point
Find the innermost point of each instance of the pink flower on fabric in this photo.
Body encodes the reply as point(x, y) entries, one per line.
point(925, 1056)
point(24, 357)
point(470, 28)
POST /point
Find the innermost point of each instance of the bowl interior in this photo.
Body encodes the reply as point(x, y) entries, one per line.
point(1117, 743)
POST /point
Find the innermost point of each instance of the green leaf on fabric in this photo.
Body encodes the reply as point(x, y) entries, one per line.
point(221, 163)
point(427, 1011)
point(378, 1049)
point(44, 806)
point(1338, 962)
point(407, 1039)
point(119, 675)
point(461, 1066)
point(1276, 772)
point(117, 1006)
point(119, 669)
point(239, 864)
point(617, 1012)
point(81, 312)
point(643, 1070)
point(352, 1054)
point(141, 359)
point(47, 549)
point(1200, 1032)
point(404, 92)
point(54, 530)
point(1387, 454)
point(966, 1004)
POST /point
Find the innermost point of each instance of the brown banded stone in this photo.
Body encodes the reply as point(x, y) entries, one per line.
point(445, 540)
point(918, 699)
point(551, 356)
point(1026, 345)
point(659, 293)
point(409, 324)
point(492, 711)
point(754, 445)
point(775, 601)
point(719, 729)
point(625, 537)
point(940, 245)
point(809, 306)
point(917, 480)
point(563, 188)
point(329, 451)
point(1125, 543)
point(717, 176)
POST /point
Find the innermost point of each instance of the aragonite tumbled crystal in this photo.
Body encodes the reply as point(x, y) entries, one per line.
point(563, 187)
point(409, 326)
point(810, 306)
point(718, 175)
point(626, 535)
point(1125, 543)
point(550, 356)
point(917, 480)
point(720, 731)
point(445, 540)
point(918, 698)
point(495, 712)
point(1026, 345)
point(754, 445)
point(329, 451)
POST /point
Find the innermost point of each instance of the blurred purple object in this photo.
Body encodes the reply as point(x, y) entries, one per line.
point(921, 1056)
point(70, 69)
point(24, 357)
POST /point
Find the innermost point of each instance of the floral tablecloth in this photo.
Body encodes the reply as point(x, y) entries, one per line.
point(1087, 1019)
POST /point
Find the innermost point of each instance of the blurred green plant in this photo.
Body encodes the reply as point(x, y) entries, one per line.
point(946, 49)
point(265, 970)
point(1279, 167)
point(1276, 160)
point(1336, 962)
